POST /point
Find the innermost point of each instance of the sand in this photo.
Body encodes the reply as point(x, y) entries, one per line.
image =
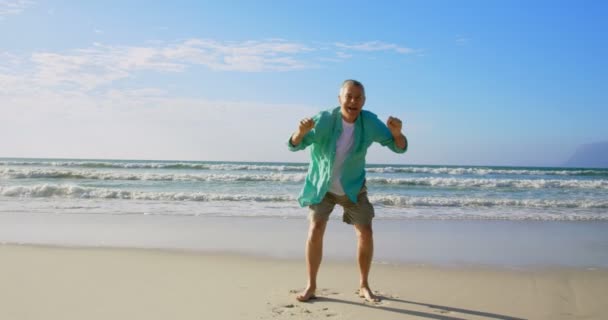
point(40, 282)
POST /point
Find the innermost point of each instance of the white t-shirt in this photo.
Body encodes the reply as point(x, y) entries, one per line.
point(343, 145)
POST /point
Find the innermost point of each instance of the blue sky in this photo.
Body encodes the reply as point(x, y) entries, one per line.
point(475, 82)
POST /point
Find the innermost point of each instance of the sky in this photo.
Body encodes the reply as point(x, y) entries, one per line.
point(504, 83)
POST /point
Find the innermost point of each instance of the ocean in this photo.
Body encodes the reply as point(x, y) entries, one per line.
point(252, 189)
point(444, 215)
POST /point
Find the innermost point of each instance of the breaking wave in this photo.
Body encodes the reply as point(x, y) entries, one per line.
point(74, 191)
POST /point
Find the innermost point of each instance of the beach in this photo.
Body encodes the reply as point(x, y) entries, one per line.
point(95, 283)
point(130, 239)
point(137, 267)
point(177, 160)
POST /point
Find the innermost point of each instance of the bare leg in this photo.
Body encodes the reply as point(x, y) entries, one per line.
point(314, 254)
point(365, 252)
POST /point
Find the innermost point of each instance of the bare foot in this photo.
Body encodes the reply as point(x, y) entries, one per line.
point(366, 292)
point(306, 295)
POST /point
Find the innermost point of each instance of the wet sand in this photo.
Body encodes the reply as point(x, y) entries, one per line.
point(45, 282)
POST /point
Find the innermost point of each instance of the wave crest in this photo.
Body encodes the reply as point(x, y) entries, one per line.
point(74, 191)
point(299, 177)
point(177, 165)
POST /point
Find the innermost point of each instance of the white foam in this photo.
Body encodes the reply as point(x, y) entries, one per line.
point(493, 183)
point(483, 171)
point(158, 165)
point(75, 191)
point(410, 202)
point(302, 167)
point(52, 173)
point(118, 175)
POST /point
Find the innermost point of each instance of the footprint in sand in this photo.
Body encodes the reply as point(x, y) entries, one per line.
point(329, 292)
point(282, 309)
point(295, 309)
point(289, 310)
point(322, 292)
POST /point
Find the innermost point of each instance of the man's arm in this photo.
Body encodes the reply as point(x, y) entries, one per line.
point(400, 141)
point(394, 126)
point(304, 127)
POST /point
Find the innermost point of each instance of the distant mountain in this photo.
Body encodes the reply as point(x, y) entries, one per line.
point(593, 155)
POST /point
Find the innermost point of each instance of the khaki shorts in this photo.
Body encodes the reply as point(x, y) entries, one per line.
point(361, 212)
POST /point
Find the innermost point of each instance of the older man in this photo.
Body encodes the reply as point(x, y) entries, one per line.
point(339, 139)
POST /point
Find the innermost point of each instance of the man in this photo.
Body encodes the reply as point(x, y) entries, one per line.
point(339, 139)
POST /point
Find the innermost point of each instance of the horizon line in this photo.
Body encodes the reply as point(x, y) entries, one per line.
point(306, 163)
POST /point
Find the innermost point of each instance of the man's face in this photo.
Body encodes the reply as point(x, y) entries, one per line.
point(351, 100)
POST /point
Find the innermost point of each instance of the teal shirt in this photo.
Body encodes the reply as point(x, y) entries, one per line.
point(322, 141)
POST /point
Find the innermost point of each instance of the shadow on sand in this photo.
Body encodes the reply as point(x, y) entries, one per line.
point(440, 310)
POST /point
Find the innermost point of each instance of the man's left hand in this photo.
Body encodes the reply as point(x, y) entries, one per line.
point(394, 125)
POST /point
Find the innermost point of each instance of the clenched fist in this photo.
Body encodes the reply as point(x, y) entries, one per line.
point(305, 126)
point(394, 125)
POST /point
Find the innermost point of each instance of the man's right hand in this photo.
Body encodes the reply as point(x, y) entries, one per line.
point(305, 126)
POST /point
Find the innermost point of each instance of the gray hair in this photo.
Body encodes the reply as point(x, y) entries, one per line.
point(351, 82)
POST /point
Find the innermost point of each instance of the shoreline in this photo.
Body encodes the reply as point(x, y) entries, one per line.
point(505, 244)
point(42, 282)
point(301, 260)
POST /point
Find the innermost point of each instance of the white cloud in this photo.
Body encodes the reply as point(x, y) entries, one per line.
point(375, 46)
point(68, 104)
point(462, 40)
point(83, 70)
point(248, 56)
point(93, 67)
point(13, 7)
point(101, 64)
point(8, 61)
point(343, 55)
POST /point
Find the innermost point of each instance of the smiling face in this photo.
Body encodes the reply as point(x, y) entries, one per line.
point(352, 99)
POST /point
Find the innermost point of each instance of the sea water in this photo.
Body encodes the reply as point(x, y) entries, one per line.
point(252, 189)
point(446, 215)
